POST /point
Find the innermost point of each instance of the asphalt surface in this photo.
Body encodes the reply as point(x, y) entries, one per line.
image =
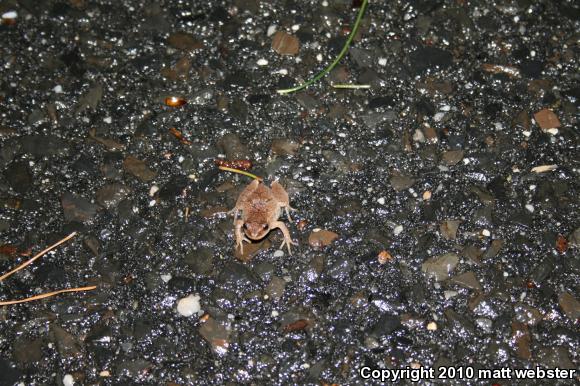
point(436, 203)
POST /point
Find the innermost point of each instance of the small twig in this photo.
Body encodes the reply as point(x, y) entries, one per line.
point(344, 50)
point(41, 253)
point(352, 86)
point(47, 295)
point(240, 172)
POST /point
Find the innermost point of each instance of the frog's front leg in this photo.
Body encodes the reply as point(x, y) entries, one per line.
point(240, 237)
point(287, 239)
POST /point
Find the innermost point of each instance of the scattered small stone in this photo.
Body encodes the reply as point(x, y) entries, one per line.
point(189, 305)
point(448, 229)
point(546, 119)
point(432, 326)
point(448, 294)
point(439, 267)
point(467, 280)
point(184, 41)
point(426, 195)
point(321, 238)
point(561, 244)
point(68, 380)
point(216, 335)
point(138, 168)
point(570, 305)
point(285, 44)
point(397, 230)
point(283, 146)
point(275, 289)
point(111, 195)
point(493, 249)
point(91, 98)
point(452, 157)
point(262, 62)
point(400, 183)
point(522, 339)
point(544, 168)
point(76, 208)
point(233, 147)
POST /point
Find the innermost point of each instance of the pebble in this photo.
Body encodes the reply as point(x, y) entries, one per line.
point(432, 326)
point(262, 62)
point(449, 228)
point(546, 119)
point(285, 44)
point(68, 380)
point(439, 267)
point(76, 208)
point(10, 15)
point(216, 335)
point(321, 238)
point(398, 229)
point(570, 305)
point(381, 200)
point(189, 305)
point(138, 168)
point(530, 208)
point(271, 30)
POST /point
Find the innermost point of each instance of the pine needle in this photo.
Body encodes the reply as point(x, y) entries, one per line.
point(344, 50)
point(47, 295)
point(41, 253)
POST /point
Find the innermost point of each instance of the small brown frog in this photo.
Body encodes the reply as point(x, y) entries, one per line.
point(260, 208)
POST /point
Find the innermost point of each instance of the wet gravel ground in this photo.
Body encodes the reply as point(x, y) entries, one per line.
point(437, 211)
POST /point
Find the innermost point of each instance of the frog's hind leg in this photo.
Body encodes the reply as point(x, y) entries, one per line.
point(282, 197)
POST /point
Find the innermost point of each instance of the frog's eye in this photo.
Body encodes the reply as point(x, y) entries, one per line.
point(265, 226)
point(245, 226)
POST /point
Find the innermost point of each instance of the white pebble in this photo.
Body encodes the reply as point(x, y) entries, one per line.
point(486, 232)
point(57, 89)
point(382, 61)
point(552, 131)
point(68, 380)
point(432, 326)
point(188, 305)
point(438, 116)
point(166, 277)
point(275, 313)
point(530, 208)
point(279, 253)
point(319, 57)
point(527, 133)
point(262, 62)
point(532, 187)
point(449, 294)
point(283, 71)
point(10, 15)
point(325, 3)
point(445, 108)
point(295, 27)
point(381, 200)
point(154, 189)
point(108, 120)
point(152, 203)
point(398, 229)
point(271, 30)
